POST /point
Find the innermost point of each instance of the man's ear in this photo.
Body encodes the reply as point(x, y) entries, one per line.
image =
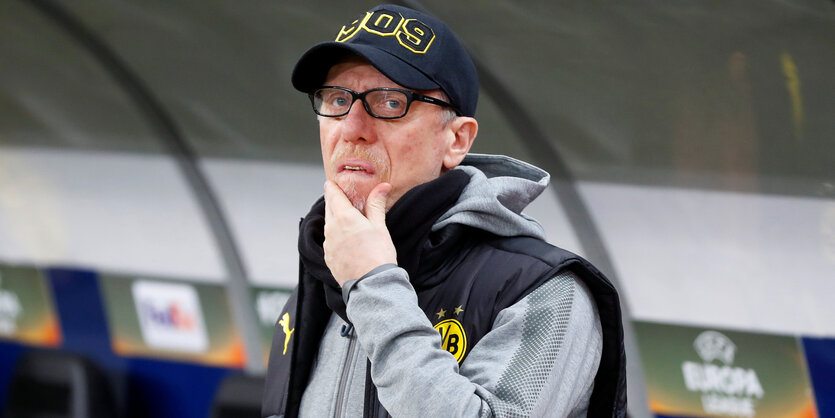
point(464, 130)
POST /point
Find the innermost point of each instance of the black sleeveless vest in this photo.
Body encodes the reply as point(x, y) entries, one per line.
point(460, 274)
point(487, 275)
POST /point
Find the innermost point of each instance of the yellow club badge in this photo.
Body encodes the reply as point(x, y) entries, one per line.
point(453, 338)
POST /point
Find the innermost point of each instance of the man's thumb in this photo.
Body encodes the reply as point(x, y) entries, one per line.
point(375, 206)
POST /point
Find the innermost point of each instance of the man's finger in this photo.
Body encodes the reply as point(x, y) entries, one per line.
point(335, 198)
point(375, 205)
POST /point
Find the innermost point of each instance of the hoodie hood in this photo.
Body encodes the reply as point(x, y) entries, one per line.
point(500, 188)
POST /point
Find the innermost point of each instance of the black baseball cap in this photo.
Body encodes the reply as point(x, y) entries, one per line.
point(413, 49)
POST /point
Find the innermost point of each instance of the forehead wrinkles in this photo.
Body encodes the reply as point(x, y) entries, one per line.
point(358, 76)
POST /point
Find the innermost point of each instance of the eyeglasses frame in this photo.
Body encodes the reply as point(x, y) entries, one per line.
point(411, 96)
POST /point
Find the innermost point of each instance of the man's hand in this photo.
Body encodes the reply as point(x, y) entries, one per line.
point(356, 243)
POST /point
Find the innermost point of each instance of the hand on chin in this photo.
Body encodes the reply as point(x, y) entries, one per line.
point(356, 242)
point(357, 189)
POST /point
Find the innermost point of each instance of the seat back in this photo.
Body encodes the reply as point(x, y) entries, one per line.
point(47, 384)
point(239, 396)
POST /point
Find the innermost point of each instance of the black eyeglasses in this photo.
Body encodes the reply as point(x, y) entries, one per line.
point(381, 103)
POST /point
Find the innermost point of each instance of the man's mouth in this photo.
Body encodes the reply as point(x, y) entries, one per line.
point(356, 166)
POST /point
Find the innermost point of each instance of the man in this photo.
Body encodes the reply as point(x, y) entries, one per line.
point(423, 290)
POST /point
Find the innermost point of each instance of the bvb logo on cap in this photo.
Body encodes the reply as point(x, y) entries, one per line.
point(411, 34)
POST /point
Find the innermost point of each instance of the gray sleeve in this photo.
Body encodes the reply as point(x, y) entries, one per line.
point(539, 359)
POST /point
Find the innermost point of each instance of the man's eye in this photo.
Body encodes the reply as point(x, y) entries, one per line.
point(339, 101)
point(394, 104)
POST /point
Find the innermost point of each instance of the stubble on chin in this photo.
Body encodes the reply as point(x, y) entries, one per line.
point(354, 195)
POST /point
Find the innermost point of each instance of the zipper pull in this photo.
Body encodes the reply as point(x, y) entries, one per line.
point(347, 330)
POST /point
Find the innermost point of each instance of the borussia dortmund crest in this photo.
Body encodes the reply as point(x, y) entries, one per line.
point(453, 338)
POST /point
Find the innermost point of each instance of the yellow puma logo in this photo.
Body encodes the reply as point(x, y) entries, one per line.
point(285, 326)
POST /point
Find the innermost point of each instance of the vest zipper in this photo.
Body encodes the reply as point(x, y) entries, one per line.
point(347, 332)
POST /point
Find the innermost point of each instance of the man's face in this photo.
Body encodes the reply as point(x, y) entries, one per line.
point(360, 151)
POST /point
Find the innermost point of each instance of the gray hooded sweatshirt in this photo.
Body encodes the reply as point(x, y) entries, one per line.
point(539, 359)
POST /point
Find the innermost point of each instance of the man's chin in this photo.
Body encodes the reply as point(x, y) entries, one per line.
point(356, 193)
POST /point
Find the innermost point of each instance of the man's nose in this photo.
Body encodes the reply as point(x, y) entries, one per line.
point(356, 124)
